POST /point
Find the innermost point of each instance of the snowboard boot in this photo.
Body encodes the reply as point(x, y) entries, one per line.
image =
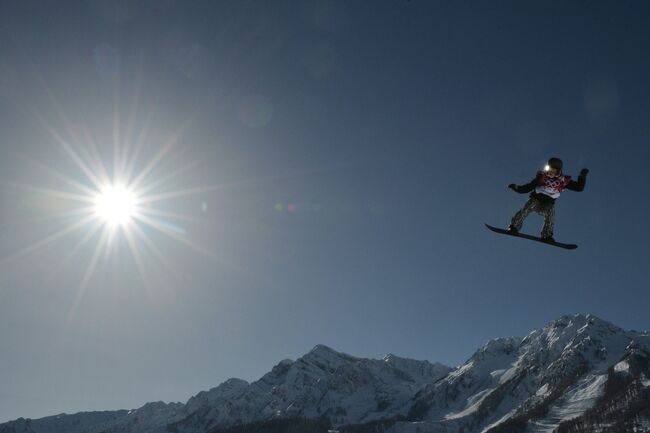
point(512, 229)
point(548, 239)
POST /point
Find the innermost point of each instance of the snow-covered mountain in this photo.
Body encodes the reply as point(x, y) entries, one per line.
point(532, 384)
point(322, 383)
point(577, 374)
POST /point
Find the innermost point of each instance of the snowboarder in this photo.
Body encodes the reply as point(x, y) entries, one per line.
point(546, 188)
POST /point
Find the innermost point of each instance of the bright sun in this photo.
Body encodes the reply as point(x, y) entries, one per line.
point(115, 205)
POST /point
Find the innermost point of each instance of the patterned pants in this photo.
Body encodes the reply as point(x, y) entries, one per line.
point(548, 210)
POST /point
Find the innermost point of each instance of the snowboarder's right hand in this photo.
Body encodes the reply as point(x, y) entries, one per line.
point(513, 187)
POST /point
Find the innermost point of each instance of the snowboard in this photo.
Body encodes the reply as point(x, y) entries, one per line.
point(532, 238)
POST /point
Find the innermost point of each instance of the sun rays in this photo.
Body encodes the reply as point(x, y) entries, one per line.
point(118, 205)
point(118, 184)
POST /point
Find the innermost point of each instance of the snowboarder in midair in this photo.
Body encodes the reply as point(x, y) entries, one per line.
point(546, 188)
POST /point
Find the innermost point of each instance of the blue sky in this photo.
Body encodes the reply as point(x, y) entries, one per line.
point(345, 157)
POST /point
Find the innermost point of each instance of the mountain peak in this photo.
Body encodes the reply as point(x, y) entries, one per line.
point(323, 349)
point(580, 320)
point(228, 389)
point(586, 325)
point(497, 347)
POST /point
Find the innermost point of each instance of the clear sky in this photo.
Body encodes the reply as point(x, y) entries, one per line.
point(318, 172)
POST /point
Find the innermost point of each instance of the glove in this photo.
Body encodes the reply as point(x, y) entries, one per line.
point(513, 187)
point(584, 172)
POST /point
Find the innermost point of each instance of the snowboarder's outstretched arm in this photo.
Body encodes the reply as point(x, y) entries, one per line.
point(522, 189)
point(580, 184)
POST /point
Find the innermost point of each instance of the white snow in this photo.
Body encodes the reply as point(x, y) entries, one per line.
point(508, 374)
point(473, 403)
point(622, 366)
point(542, 391)
point(461, 370)
point(573, 404)
point(500, 420)
point(644, 380)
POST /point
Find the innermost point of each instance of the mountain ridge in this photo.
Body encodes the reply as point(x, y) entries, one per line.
point(552, 379)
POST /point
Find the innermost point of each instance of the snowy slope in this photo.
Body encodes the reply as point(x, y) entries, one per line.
point(551, 375)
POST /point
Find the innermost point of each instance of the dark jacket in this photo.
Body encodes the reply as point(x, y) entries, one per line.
point(545, 199)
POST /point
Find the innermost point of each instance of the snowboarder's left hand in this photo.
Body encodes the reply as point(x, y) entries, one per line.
point(584, 172)
point(513, 187)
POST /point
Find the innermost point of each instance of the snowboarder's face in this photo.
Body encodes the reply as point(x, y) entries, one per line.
point(551, 171)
